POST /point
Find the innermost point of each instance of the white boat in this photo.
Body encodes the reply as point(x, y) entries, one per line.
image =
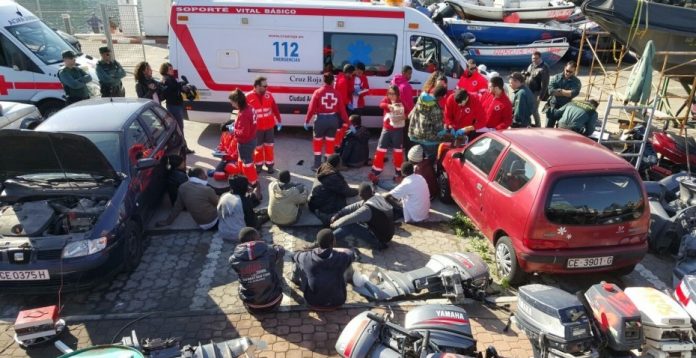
point(525, 10)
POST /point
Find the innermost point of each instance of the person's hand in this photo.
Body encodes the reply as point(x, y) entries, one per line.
point(442, 133)
point(306, 126)
point(152, 86)
point(279, 127)
point(333, 218)
point(460, 132)
point(161, 223)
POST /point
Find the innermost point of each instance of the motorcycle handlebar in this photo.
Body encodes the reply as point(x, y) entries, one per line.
point(393, 326)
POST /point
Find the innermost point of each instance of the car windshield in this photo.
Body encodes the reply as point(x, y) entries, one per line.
point(45, 43)
point(595, 200)
point(109, 144)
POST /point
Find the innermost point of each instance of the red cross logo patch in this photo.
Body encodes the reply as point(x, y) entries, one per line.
point(329, 101)
point(474, 82)
point(496, 108)
point(467, 110)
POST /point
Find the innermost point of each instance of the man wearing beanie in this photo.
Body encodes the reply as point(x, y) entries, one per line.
point(425, 168)
point(321, 272)
point(285, 200)
point(330, 190)
point(259, 267)
point(370, 220)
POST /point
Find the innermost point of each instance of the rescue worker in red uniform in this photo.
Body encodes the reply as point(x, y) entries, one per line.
point(267, 117)
point(497, 105)
point(245, 133)
point(392, 136)
point(463, 113)
point(329, 107)
point(472, 80)
point(345, 86)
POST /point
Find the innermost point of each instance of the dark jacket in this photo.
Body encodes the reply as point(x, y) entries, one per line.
point(171, 91)
point(74, 82)
point(322, 276)
point(110, 75)
point(355, 150)
point(522, 107)
point(143, 90)
point(538, 79)
point(375, 212)
point(256, 264)
point(239, 186)
point(560, 82)
point(579, 117)
point(330, 190)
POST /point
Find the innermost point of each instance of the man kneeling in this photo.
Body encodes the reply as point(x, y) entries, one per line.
point(260, 270)
point(370, 220)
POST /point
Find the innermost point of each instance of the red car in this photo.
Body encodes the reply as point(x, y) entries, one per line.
point(550, 201)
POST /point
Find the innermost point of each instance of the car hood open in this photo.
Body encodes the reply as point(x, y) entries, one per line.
point(29, 152)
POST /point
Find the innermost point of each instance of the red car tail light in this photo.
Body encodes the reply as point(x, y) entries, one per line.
point(544, 244)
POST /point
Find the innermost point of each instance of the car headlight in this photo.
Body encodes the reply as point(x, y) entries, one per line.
point(84, 247)
point(94, 89)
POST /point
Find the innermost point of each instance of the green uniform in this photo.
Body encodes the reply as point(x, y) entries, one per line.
point(559, 82)
point(74, 82)
point(522, 107)
point(579, 117)
point(110, 75)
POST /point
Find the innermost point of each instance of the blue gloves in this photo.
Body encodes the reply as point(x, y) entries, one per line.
point(460, 132)
point(442, 133)
point(350, 106)
point(306, 126)
point(279, 127)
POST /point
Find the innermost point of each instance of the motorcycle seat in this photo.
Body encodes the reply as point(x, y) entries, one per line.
point(681, 143)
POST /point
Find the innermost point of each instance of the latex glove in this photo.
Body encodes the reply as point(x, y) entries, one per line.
point(453, 131)
point(350, 106)
point(306, 126)
point(279, 127)
point(460, 132)
point(442, 133)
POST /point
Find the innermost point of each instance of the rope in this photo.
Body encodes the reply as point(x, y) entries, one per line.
point(635, 30)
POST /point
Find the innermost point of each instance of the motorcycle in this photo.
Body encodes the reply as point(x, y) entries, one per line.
point(427, 331)
point(672, 202)
point(649, 168)
point(457, 276)
point(672, 151)
point(131, 346)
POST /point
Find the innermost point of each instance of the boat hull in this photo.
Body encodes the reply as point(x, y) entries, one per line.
point(525, 14)
point(505, 33)
point(516, 56)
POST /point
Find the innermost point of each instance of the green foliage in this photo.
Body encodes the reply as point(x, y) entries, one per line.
point(463, 226)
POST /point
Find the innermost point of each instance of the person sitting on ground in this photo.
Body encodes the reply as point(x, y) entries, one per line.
point(285, 200)
point(321, 272)
point(579, 116)
point(411, 198)
point(355, 150)
point(425, 168)
point(259, 267)
point(239, 186)
point(226, 150)
point(232, 213)
point(370, 220)
point(176, 175)
point(196, 197)
point(330, 190)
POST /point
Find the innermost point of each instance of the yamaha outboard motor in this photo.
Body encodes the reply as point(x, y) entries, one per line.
point(456, 276)
point(672, 214)
point(687, 190)
point(448, 325)
point(555, 322)
point(616, 318)
point(666, 326)
point(686, 258)
point(685, 293)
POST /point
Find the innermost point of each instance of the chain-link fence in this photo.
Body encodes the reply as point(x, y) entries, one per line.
point(97, 23)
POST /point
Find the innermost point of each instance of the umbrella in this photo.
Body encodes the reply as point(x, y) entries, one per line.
point(640, 81)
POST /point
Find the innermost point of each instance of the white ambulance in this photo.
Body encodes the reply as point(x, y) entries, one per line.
point(221, 45)
point(30, 57)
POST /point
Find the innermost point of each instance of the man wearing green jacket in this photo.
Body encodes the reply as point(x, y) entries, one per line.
point(563, 87)
point(73, 78)
point(110, 73)
point(579, 116)
point(523, 102)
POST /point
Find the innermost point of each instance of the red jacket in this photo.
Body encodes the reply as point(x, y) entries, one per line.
point(471, 114)
point(345, 88)
point(245, 126)
point(228, 145)
point(472, 82)
point(385, 109)
point(498, 111)
point(265, 109)
point(364, 85)
point(326, 100)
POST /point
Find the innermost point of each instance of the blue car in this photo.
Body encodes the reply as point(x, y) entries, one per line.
point(77, 192)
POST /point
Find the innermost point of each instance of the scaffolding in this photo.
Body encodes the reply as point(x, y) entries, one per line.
point(612, 81)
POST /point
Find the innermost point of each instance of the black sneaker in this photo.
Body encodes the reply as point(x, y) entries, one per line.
point(189, 151)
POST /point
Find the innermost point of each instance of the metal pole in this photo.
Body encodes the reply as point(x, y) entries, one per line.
point(107, 31)
point(610, 101)
point(38, 9)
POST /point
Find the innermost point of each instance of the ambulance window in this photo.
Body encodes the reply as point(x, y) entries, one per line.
point(430, 55)
point(45, 43)
point(377, 52)
point(12, 56)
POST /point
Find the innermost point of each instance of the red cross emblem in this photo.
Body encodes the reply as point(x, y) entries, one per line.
point(329, 101)
point(496, 108)
point(467, 110)
point(4, 86)
point(474, 82)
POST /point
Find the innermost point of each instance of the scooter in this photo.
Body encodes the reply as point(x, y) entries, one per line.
point(131, 346)
point(457, 276)
point(672, 202)
point(672, 151)
point(649, 168)
point(427, 331)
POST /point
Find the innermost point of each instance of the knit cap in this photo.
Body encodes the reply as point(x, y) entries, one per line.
point(415, 154)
